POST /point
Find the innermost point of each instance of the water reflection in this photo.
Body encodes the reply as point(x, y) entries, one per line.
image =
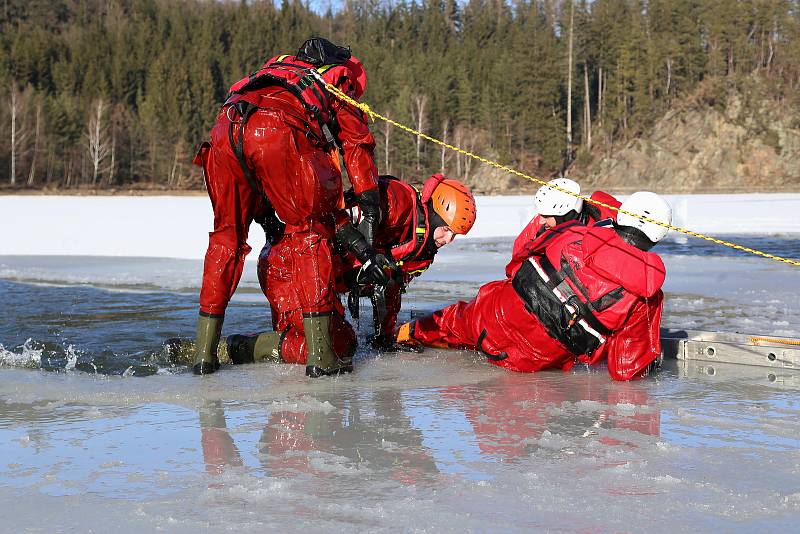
point(512, 416)
point(366, 431)
point(416, 435)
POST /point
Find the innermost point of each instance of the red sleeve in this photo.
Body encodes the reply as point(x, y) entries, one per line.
point(631, 349)
point(358, 145)
point(528, 234)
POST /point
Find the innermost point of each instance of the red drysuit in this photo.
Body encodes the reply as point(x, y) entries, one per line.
point(396, 237)
point(284, 148)
point(521, 324)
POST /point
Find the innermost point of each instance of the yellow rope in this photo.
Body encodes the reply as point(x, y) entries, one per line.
point(757, 340)
point(374, 115)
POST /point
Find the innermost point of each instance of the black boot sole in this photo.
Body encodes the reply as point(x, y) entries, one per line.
point(205, 368)
point(313, 371)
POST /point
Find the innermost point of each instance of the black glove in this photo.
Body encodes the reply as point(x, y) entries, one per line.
point(273, 227)
point(369, 204)
point(375, 268)
point(386, 343)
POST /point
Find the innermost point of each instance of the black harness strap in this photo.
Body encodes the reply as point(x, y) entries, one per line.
point(608, 300)
point(494, 357)
point(245, 111)
point(555, 232)
point(541, 302)
point(420, 231)
point(583, 311)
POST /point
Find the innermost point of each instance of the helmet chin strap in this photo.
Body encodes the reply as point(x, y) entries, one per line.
point(634, 236)
point(430, 249)
point(569, 216)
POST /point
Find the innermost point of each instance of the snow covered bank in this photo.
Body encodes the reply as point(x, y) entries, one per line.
point(176, 227)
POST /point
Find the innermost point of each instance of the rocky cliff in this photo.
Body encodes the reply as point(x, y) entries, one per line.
point(729, 136)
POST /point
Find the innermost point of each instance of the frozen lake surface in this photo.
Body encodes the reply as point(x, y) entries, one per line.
point(95, 424)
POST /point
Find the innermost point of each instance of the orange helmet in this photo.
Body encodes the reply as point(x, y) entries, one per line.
point(454, 203)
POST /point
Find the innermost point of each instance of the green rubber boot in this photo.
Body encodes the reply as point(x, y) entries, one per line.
point(322, 360)
point(206, 359)
point(180, 351)
point(263, 347)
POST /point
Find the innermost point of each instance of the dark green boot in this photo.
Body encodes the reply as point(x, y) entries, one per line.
point(208, 332)
point(322, 360)
point(263, 347)
point(181, 351)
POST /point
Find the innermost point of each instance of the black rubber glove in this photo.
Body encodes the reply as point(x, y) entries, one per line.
point(273, 227)
point(386, 343)
point(375, 268)
point(369, 204)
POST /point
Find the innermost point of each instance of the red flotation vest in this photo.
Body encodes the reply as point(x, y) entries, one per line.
point(584, 285)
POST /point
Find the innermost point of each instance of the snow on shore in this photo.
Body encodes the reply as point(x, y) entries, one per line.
point(176, 227)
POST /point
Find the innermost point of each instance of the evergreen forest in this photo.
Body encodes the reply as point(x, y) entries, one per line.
point(99, 94)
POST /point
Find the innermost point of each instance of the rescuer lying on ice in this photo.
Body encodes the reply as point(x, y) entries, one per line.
point(268, 154)
point(587, 293)
point(413, 227)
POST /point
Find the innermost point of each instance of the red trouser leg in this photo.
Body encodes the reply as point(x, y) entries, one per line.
point(285, 287)
point(448, 327)
point(234, 203)
point(509, 328)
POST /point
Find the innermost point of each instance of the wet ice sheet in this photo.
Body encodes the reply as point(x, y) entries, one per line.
point(440, 441)
point(462, 448)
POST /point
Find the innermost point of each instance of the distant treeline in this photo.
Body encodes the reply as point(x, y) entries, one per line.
point(117, 93)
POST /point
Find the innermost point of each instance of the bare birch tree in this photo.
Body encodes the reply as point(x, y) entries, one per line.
point(98, 144)
point(420, 120)
point(387, 131)
point(466, 138)
point(19, 135)
point(445, 152)
point(587, 108)
point(36, 135)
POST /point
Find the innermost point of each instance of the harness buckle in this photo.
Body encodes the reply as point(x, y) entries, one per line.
point(572, 320)
point(228, 114)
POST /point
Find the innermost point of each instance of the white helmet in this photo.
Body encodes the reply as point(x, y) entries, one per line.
point(551, 202)
point(651, 206)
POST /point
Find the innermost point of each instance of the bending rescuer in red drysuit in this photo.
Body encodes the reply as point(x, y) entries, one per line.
point(555, 206)
point(585, 292)
point(268, 155)
point(413, 228)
